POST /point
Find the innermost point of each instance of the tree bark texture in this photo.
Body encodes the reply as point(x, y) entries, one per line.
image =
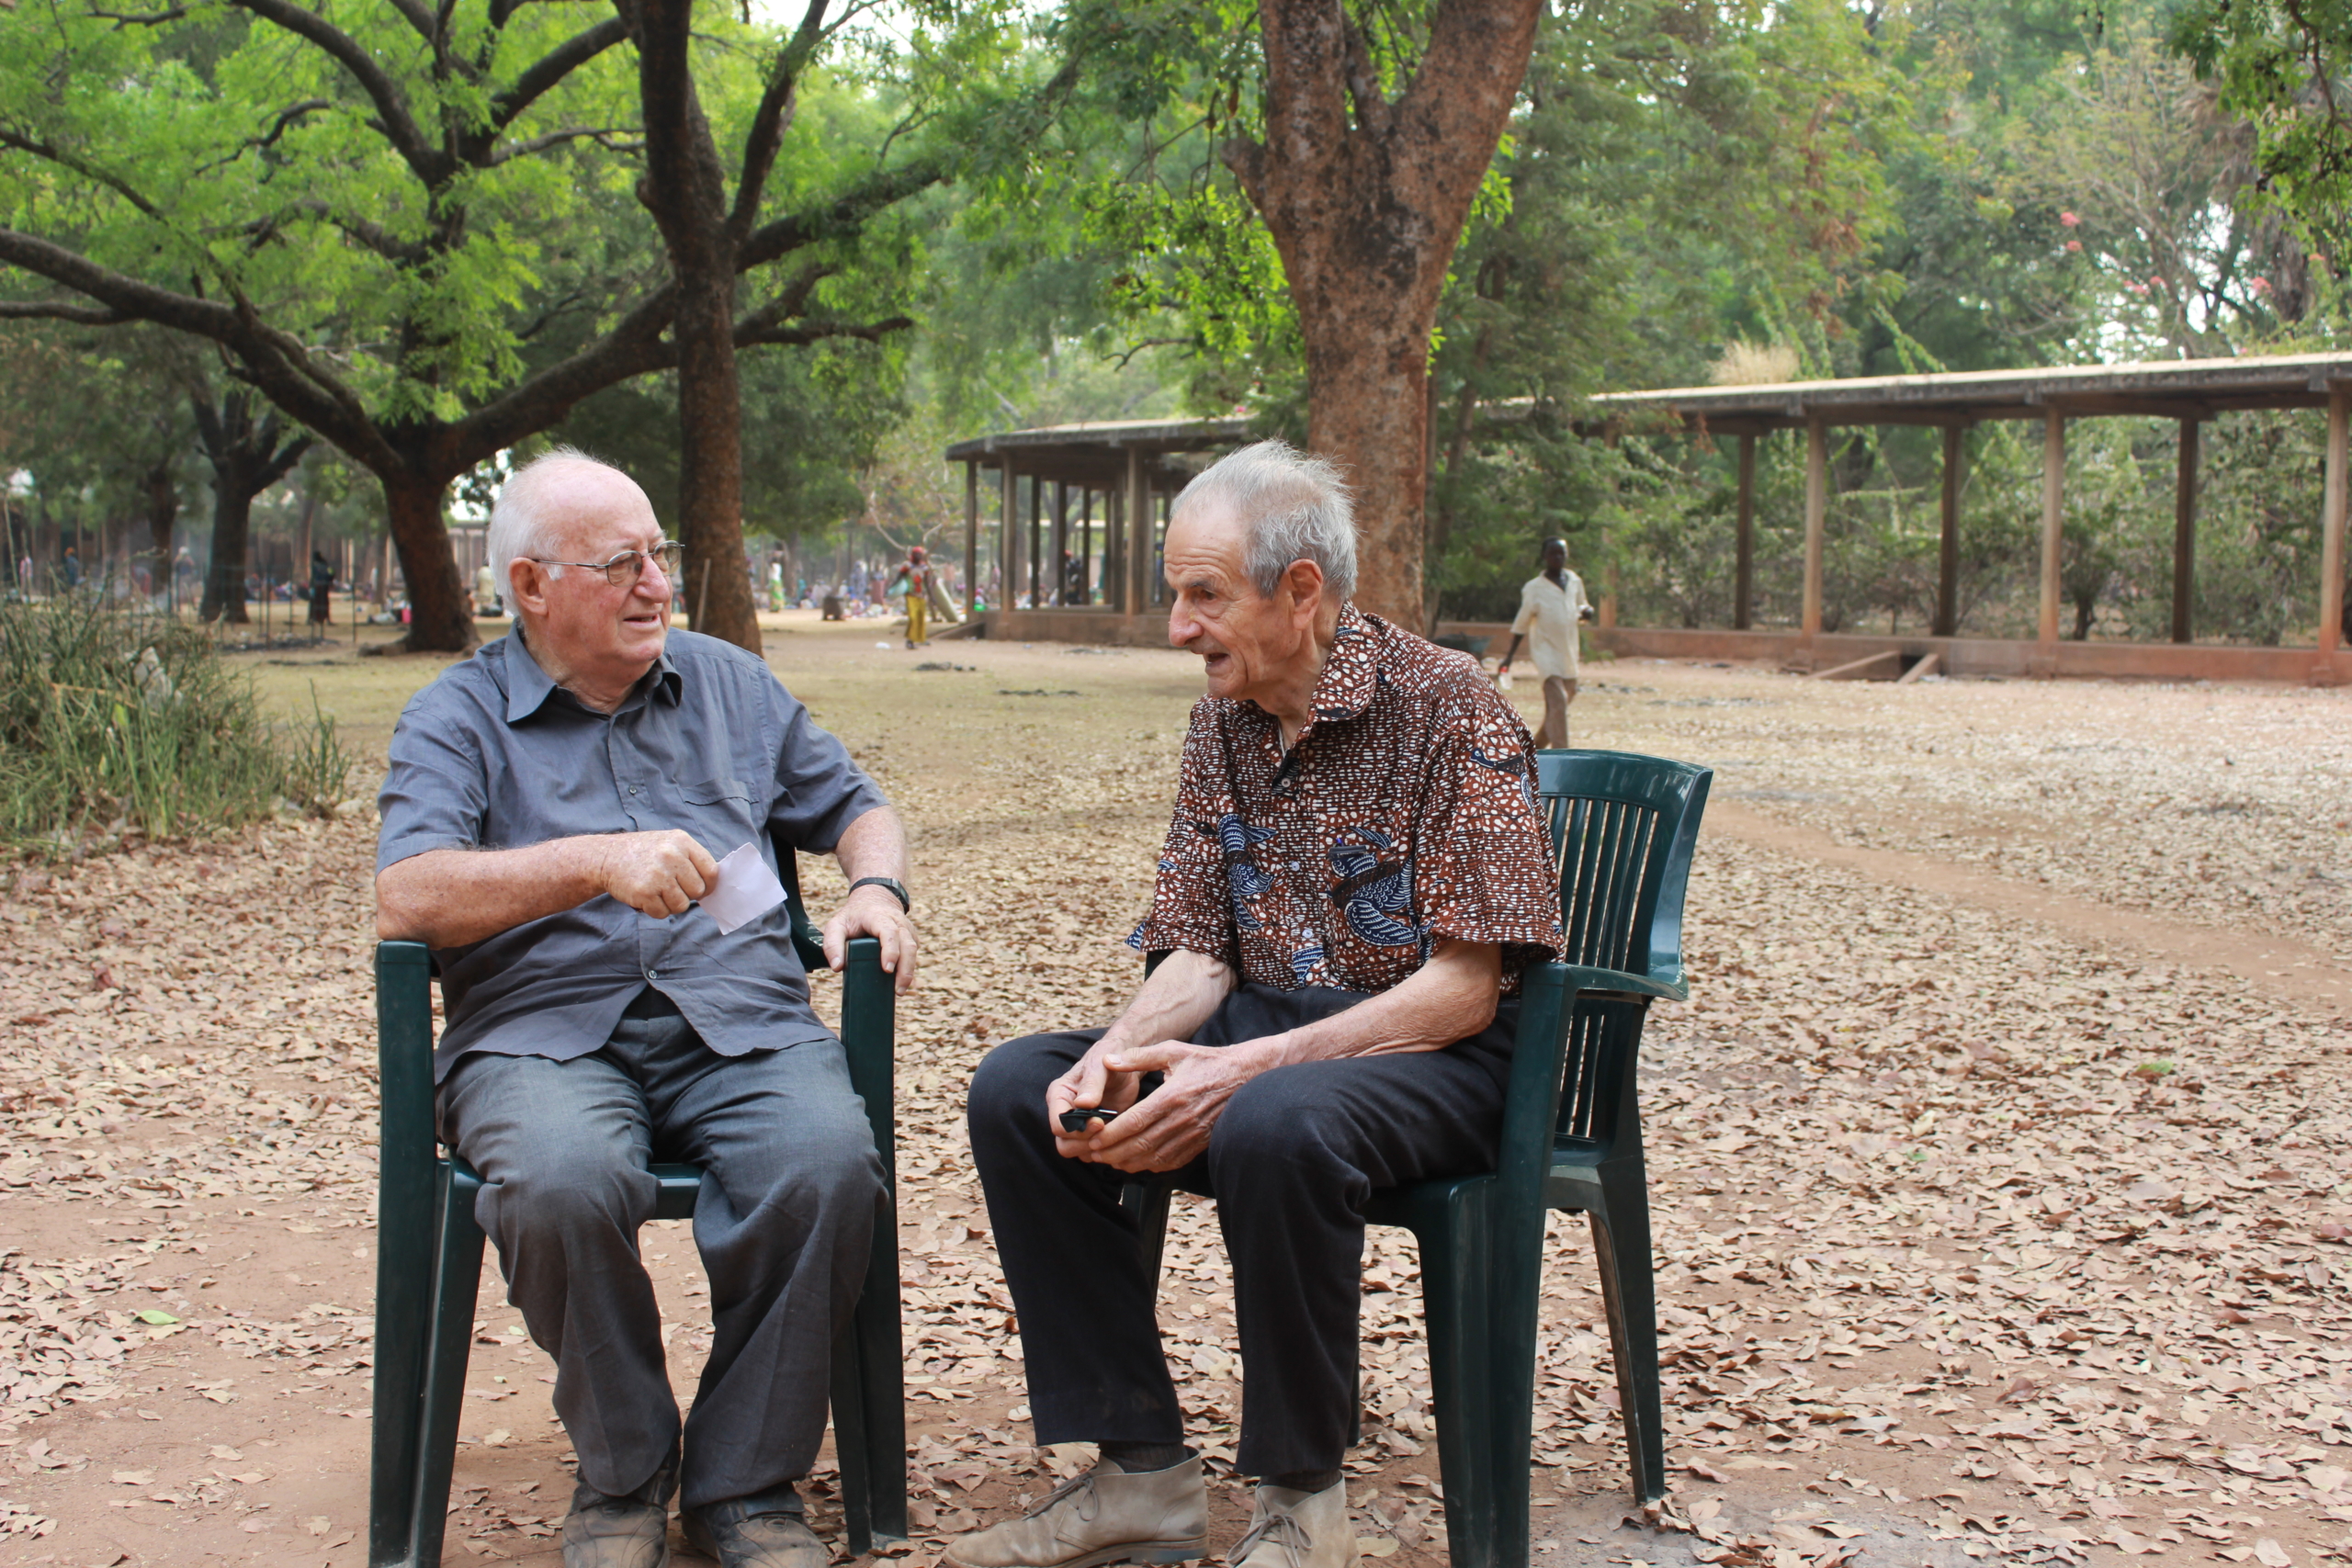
point(685, 187)
point(1365, 197)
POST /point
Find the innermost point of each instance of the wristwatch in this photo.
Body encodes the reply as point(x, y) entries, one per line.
point(898, 889)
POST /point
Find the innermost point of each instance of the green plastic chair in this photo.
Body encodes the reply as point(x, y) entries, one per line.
point(429, 1259)
point(1626, 827)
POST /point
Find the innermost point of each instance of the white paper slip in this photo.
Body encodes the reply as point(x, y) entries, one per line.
point(744, 890)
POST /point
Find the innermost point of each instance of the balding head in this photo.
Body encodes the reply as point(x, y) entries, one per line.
point(541, 501)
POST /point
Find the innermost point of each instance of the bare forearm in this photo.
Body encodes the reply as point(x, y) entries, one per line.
point(1175, 1000)
point(1513, 652)
point(874, 845)
point(451, 898)
point(1451, 998)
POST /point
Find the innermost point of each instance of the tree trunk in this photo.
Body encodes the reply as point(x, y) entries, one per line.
point(1365, 198)
point(710, 464)
point(685, 187)
point(163, 514)
point(232, 510)
point(437, 622)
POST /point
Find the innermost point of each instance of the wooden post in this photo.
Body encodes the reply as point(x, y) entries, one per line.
point(1036, 541)
point(1060, 591)
point(1114, 551)
point(971, 533)
point(1139, 532)
point(1008, 547)
point(1742, 588)
point(2184, 537)
point(1948, 548)
point(2053, 515)
point(2331, 528)
point(1817, 516)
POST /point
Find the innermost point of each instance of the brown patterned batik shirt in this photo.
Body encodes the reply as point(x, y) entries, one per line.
point(1403, 813)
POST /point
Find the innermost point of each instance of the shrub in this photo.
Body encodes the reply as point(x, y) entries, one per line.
point(116, 721)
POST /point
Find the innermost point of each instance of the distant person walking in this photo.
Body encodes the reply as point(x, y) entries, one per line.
point(322, 589)
point(72, 568)
point(1550, 605)
point(916, 575)
point(485, 591)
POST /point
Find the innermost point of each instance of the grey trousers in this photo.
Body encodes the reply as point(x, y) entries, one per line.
point(791, 1188)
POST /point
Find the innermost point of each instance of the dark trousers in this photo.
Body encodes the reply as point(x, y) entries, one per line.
point(791, 1187)
point(1294, 1158)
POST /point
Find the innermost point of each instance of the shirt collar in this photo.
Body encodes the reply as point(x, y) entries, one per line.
point(1350, 671)
point(528, 687)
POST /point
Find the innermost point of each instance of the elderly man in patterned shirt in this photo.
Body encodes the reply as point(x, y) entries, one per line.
point(1354, 881)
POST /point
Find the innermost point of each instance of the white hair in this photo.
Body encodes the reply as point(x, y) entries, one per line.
point(1293, 507)
point(523, 520)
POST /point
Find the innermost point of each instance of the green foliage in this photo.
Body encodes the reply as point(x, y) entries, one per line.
point(117, 721)
point(2280, 65)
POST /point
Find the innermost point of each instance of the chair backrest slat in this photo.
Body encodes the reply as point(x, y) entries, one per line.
point(1623, 827)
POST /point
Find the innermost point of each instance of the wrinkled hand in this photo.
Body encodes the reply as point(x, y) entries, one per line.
point(1089, 1083)
point(875, 912)
point(1169, 1128)
point(657, 874)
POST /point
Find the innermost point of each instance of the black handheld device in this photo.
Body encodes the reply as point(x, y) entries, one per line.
point(1076, 1121)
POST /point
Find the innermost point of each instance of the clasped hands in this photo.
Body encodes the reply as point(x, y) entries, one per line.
point(1166, 1130)
point(661, 873)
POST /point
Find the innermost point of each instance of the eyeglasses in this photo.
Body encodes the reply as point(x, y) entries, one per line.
point(625, 569)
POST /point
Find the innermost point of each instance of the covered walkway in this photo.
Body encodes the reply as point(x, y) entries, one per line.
point(2189, 391)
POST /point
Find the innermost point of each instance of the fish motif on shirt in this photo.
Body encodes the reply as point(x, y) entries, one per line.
point(1375, 894)
point(1236, 837)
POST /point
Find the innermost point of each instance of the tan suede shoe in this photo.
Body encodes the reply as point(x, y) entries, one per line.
point(1298, 1530)
point(1104, 1515)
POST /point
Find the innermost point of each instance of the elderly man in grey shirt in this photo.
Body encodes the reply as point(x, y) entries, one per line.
point(555, 808)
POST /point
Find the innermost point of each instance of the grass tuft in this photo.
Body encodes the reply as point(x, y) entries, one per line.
point(116, 722)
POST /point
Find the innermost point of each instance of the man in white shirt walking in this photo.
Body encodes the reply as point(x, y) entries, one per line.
point(1549, 608)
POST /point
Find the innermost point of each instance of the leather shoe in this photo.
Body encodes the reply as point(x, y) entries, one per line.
point(1298, 1530)
point(765, 1531)
point(629, 1532)
point(1107, 1514)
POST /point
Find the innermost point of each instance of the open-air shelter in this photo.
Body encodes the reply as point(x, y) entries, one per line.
point(1080, 511)
point(2189, 391)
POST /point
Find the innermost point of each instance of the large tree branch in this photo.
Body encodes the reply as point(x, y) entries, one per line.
point(1460, 98)
point(58, 310)
point(846, 214)
point(416, 17)
point(553, 67)
point(1364, 79)
point(772, 119)
point(49, 152)
point(1305, 48)
point(604, 136)
point(802, 333)
point(275, 362)
point(392, 117)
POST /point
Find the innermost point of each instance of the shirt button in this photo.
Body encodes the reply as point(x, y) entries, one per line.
point(652, 975)
point(632, 789)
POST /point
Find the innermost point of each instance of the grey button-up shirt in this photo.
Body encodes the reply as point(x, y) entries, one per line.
point(493, 755)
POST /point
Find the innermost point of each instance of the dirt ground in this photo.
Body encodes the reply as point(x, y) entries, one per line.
point(2001, 1196)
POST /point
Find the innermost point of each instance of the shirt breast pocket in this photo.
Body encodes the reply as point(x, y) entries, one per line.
point(720, 805)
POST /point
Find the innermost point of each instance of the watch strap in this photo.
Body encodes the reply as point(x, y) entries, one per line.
point(897, 890)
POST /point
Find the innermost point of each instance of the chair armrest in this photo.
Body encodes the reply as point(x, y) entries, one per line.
point(869, 1026)
point(1583, 977)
